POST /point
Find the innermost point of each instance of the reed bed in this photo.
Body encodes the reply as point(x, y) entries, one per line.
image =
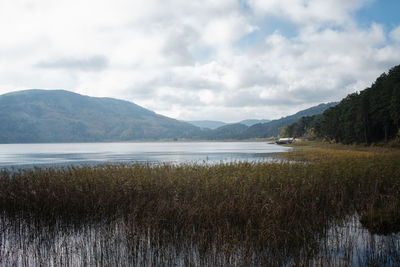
point(205, 215)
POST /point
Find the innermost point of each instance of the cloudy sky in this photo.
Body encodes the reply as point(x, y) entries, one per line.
point(201, 59)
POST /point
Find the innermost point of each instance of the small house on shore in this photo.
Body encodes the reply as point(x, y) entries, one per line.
point(287, 140)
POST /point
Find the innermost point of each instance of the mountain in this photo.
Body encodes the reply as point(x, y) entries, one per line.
point(240, 131)
point(207, 124)
point(252, 122)
point(34, 116)
point(229, 131)
point(63, 116)
point(272, 128)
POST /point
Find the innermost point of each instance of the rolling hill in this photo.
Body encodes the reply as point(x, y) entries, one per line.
point(62, 116)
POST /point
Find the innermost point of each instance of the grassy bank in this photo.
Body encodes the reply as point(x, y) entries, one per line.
point(272, 212)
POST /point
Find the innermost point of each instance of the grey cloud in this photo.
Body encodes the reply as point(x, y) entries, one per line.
point(307, 95)
point(257, 77)
point(188, 90)
point(178, 81)
point(178, 53)
point(299, 96)
point(140, 91)
point(193, 83)
point(177, 45)
point(323, 93)
point(185, 98)
point(243, 99)
point(94, 63)
point(181, 100)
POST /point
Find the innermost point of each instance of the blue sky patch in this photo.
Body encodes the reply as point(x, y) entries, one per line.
point(385, 12)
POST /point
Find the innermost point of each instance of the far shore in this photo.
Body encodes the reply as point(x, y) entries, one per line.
point(156, 141)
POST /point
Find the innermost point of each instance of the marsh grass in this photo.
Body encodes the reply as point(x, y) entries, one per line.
point(198, 215)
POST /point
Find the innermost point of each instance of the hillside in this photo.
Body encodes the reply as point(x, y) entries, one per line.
point(226, 132)
point(35, 116)
point(240, 131)
point(252, 122)
point(372, 115)
point(207, 124)
point(63, 116)
point(272, 128)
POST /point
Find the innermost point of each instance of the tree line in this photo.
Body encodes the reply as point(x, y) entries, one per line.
point(369, 116)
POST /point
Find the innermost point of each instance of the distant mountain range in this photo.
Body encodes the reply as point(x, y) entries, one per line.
point(37, 116)
point(252, 122)
point(207, 124)
point(216, 124)
point(239, 131)
point(272, 128)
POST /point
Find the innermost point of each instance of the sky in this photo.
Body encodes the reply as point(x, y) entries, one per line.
point(225, 60)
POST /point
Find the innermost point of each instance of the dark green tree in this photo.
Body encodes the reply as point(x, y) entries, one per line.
point(373, 115)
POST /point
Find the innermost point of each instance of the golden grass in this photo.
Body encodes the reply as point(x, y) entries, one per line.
point(323, 151)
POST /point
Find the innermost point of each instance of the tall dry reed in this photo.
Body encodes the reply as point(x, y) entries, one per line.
point(282, 209)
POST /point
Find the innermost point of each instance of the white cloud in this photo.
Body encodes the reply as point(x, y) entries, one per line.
point(183, 59)
point(395, 34)
point(93, 63)
point(309, 12)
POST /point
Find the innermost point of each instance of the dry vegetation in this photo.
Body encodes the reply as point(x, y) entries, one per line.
point(224, 214)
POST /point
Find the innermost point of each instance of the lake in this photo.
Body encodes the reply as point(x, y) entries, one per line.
point(22, 155)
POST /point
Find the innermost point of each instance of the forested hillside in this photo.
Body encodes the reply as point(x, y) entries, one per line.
point(272, 128)
point(226, 132)
point(207, 124)
point(372, 115)
point(240, 131)
point(212, 125)
point(61, 116)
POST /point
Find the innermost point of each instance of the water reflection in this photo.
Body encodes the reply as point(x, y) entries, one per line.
point(158, 152)
point(119, 243)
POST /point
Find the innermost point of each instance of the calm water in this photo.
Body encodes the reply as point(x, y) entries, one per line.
point(156, 152)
